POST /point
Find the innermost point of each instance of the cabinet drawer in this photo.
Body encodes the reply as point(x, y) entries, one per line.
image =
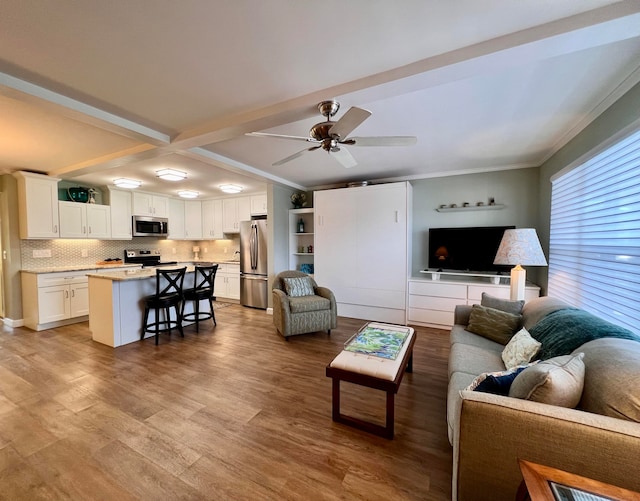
point(475, 292)
point(434, 303)
point(63, 278)
point(438, 289)
point(444, 318)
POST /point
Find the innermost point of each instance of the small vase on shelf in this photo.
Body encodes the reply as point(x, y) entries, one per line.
point(301, 226)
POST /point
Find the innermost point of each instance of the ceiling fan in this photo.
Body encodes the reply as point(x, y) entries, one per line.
point(332, 136)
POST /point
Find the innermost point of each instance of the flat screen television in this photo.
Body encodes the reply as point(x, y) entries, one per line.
point(471, 249)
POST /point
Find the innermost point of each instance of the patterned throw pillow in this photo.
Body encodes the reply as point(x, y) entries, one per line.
point(498, 383)
point(499, 326)
point(298, 286)
point(520, 350)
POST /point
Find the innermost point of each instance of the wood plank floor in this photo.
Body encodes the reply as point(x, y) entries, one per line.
point(234, 412)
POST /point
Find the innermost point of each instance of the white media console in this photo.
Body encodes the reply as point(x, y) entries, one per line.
point(433, 298)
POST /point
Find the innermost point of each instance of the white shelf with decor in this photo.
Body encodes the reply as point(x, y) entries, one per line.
point(301, 243)
point(471, 208)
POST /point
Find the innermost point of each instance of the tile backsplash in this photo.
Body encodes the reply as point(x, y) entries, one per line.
point(67, 252)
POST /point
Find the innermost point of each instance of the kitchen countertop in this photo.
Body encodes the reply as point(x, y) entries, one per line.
point(80, 267)
point(143, 273)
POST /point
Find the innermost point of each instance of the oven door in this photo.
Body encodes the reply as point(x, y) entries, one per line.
point(144, 226)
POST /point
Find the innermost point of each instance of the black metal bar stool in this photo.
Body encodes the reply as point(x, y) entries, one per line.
point(169, 294)
point(203, 279)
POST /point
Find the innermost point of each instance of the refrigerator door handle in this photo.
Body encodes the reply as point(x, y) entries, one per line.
point(253, 242)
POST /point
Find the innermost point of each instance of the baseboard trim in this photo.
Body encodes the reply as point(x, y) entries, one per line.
point(13, 323)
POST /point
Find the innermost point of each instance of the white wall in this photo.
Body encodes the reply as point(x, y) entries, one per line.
point(516, 189)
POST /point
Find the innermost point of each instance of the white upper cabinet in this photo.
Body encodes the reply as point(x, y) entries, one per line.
point(176, 219)
point(192, 220)
point(259, 204)
point(212, 220)
point(120, 204)
point(79, 220)
point(148, 204)
point(235, 210)
point(37, 205)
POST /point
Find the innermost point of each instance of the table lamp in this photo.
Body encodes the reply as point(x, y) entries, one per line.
point(520, 247)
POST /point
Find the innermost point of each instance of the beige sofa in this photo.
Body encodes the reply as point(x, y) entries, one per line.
point(489, 432)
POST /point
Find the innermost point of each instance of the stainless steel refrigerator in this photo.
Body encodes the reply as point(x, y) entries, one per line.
point(253, 263)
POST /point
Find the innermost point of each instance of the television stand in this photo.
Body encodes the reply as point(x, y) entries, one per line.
point(494, 277)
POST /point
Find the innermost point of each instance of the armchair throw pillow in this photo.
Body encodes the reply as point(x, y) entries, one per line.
point(298, 286)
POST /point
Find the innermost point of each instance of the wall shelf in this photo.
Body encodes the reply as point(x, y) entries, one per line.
point(494, 277)
point(471, 207)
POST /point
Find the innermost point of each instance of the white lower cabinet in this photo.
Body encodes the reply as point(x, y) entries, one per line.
point(432, 302)
point(227, 284)
point(54, 299)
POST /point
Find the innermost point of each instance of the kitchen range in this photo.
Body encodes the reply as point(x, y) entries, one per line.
point(147, 258)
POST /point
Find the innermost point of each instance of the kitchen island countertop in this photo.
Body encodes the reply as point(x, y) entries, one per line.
point(79, 267)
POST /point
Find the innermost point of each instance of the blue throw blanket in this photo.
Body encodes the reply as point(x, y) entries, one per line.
point(562, 331)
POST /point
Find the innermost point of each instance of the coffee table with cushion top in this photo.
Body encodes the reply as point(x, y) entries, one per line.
point(375, 372)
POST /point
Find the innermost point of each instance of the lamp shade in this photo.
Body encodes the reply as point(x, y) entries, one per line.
point(520, 246)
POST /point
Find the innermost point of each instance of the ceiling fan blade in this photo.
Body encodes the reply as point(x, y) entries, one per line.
point(343, 156)
point(294, 156)
point(349, 121)
point(382, 141)
point(281, 136)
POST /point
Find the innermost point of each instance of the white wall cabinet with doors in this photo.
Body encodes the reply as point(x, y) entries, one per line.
point(192, 220)
point(54, 299)
point(235, 210)
point(212, 220)
point(227, 284)
point(120, 205)
point(37, 205)
point(80, 220)
point(362, 243)
point(176, 219)
point(301, 243)
point(259, 204)
point(148, 204)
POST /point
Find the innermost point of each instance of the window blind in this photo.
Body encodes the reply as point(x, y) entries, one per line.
point(594, 244)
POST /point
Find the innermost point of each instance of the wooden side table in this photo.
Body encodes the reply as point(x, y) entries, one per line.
point(538, 481)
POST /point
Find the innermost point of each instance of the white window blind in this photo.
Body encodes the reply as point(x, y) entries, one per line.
point(594, 246)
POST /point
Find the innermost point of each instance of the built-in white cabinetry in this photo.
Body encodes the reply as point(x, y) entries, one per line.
point(54, 299)
point(432, 302)
point(259, 204)
point(120, 205)
point(301, 239)
point(37, 205)
point(212, 220)
point(192, 220)
point(227, 284)
point(361, 252)
point(176, 219)
point(148, 204)
point(235, 210)
point(80, 220)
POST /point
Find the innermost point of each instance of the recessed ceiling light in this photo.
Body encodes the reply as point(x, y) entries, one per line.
point(171, 174)
point(230, 188)
point(188, 194)
point(123, 182)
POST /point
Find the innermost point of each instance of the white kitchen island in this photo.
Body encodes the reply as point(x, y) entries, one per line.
point(116, 305)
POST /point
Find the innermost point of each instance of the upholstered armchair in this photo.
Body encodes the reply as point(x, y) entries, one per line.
point(300, 306)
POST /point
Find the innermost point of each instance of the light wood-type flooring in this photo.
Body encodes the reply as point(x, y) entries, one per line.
point(235, 412)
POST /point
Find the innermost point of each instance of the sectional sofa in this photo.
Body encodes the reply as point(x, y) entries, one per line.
point(599, 438)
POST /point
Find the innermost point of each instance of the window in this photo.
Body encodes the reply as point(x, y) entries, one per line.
point(594, 245)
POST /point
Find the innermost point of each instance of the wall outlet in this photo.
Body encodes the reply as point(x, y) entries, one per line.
point(42, 253)
point(84, 253)
point(173, 250)
point(226, 249)
point(206, 249)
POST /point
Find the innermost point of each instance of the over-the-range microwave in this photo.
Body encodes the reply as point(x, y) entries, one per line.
point(150, 226)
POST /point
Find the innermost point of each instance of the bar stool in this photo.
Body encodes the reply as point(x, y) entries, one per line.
point(168, 294)
point(203, 280)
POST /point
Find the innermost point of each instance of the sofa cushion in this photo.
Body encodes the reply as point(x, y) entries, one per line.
point(298, 286)
point(474, 360)
point(497, 325)
point(459, 335)
point(536, 309)
point(510, 306)
point(520, 349)
point(562, 331)
point(558, 381)
point(457, 382)
point(612, 378)
point(304, 304)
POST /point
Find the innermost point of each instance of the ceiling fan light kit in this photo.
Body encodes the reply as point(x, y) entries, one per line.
point(330, 135)
point(171, 174)
point(123, 182)
point(230, 188)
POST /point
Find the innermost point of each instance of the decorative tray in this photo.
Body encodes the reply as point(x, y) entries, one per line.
point(378, 340)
